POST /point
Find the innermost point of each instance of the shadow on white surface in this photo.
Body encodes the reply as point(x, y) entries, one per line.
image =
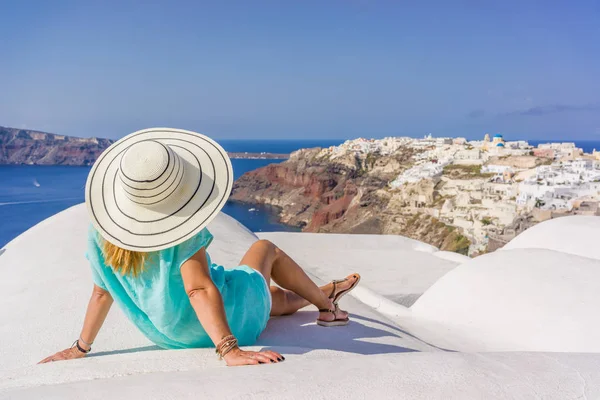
point(124, 351)
point(299, 335)
point(402, 332)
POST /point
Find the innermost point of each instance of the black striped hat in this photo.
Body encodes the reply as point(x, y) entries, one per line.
point(158, 187)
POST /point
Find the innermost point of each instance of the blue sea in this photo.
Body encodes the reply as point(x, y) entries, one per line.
point(30, 194)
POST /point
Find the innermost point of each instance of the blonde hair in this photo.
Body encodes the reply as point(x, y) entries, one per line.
point(126, 262)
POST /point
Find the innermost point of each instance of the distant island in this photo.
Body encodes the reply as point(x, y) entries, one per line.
point(28, 147)
point(22, 146)
point(470, 197)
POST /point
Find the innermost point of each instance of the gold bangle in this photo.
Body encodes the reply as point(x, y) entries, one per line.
point(223, 345)
point(226, 347)
point(224, 339)
point(224, 353)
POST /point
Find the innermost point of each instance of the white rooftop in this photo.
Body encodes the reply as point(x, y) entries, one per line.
point(517, 323)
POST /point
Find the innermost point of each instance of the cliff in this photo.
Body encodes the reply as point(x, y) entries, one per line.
point(19, 146)
point(348, 193)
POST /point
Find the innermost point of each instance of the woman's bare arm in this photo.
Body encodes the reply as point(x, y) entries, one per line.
point(204, 296)
point(97, 310)
point(208, 304)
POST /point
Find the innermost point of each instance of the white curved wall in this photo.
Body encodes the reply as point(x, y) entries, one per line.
point(518, 300)
point(578, 235)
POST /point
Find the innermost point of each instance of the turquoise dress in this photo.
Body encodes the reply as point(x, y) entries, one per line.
point(157, 303)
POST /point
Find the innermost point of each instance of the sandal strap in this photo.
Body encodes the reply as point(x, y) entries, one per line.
point(334, 283)
point(332, 295)
point(335, 309)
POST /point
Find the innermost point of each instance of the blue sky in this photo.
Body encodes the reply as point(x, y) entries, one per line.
point(303, 69)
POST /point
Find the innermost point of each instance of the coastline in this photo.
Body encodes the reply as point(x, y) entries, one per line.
point(273, 213)
point(283, 208)
point(469, 197)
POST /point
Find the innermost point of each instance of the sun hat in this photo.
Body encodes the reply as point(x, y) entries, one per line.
point(157, 187)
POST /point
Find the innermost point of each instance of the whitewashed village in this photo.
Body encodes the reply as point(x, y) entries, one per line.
point(490, 189)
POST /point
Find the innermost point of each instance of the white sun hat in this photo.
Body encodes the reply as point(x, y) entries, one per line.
point(156, 188)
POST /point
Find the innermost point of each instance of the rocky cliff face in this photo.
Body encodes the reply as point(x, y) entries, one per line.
point(18, 146)
point(348, 194)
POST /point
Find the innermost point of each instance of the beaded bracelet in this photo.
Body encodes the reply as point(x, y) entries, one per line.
point(81, 349)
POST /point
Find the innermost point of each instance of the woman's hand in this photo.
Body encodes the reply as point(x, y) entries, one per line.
point(67, 354)
point(238, 357)
point(98, 307)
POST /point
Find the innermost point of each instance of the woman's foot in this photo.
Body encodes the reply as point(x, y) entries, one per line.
point(335, 290)
point(329, 312)
point(332, 316)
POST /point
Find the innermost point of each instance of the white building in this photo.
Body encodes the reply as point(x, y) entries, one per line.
point(426, 170)
point(581, 165)
point(383, 146)
point(429, 140)
point(519, 144)
point(557, 146)
point(468, 156)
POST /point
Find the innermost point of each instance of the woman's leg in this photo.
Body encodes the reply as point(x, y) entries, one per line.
point(286, 302)
point(274, 263)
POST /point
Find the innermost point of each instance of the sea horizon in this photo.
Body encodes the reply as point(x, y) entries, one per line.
point(286, 146)
point(22, 204)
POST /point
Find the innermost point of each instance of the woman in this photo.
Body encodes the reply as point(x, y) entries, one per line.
point(149, 197)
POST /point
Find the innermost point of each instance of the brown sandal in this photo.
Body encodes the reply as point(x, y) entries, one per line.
point(335, 321)
point(336, 298)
